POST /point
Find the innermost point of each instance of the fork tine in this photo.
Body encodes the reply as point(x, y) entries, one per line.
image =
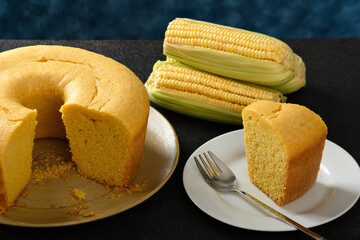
point(208, 170)
point(201, 169)
point(215, 168)
point(220, 164)
point(209, 165)
point(215, 160)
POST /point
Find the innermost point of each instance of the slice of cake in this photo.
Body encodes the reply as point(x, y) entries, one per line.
point(284, 145)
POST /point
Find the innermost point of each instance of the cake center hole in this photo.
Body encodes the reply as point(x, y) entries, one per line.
point(49, 121)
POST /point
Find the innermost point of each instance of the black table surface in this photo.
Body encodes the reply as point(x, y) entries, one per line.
point(332, 91)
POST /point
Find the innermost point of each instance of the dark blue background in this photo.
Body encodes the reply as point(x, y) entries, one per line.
point(135, 19)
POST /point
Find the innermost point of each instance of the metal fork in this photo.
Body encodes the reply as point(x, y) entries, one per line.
point(221, 178)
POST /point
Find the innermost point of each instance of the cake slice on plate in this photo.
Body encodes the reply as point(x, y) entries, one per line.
point(284, 144)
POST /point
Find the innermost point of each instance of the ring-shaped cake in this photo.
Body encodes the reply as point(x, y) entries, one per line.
point(95, 102)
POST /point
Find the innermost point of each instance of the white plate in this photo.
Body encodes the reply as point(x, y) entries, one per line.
point(46, 203)
point(336, 190)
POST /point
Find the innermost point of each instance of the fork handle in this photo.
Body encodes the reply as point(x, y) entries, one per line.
point(277, 215)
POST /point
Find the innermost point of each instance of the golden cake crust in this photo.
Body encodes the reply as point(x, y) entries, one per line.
point(81, 77)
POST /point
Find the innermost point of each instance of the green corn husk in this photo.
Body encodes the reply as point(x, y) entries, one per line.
point(297, 82)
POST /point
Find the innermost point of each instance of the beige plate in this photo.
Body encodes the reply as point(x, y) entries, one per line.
point(46, 203)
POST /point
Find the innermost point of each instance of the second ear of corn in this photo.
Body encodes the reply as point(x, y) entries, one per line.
point(212, 71)
point(189, 91)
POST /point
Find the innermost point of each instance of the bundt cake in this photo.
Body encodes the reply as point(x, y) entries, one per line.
point(284, 144)
point(98, 104)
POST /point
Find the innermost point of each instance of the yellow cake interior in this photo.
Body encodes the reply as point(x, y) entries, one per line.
point(97, 135)
point(266, 157)
point(16, 160)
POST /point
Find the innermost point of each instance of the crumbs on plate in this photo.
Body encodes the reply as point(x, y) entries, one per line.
point(50, 166)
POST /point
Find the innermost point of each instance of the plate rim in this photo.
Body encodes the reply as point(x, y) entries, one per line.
point(5, 221)
point(213, 214)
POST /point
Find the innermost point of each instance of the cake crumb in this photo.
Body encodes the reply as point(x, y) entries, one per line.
point(77, 210)
point(134, 189)
point(63, 176)
point(90, 214)
point(74, 212)
point(25, 194)
point(4, 212)
point(82, 206)
point(22, 204)
point(44, 171)
point(80, 195)
point(76, 197)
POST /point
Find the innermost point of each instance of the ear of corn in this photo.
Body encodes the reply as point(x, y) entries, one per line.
point(192, 92)
point(235, 53)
